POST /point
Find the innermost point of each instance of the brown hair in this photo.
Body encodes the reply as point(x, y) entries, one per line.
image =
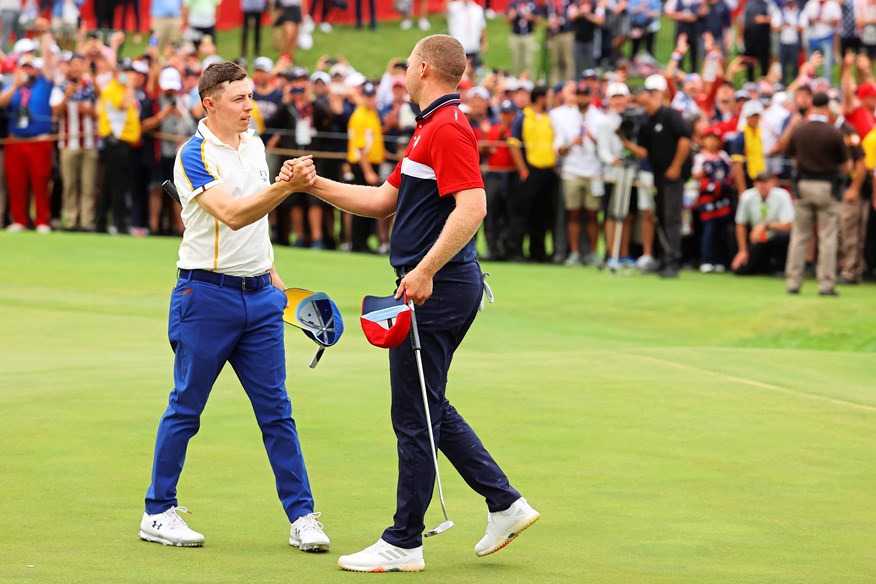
point(445, 55)
point(214, 78)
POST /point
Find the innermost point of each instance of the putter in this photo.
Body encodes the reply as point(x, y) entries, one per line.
point(415, 340)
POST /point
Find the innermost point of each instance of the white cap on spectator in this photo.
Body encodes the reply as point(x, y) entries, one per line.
point(211, 60)
point(617, 88)
point(481, 92)
point(170, 80)
point(655, 83)
point(355, 79)
point(338, 69)
point(263, 64)
point(752, 108)
point(24, 46)
point(321, 76)
point(511, 84)
point(779, 98)
point(140, 67)
point(527, 85)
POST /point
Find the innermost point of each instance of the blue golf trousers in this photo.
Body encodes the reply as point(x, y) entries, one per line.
point(210, 325)
point(442, 322)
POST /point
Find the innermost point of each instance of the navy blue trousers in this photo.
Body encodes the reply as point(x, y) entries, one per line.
point(443, 321)
point(210, 325)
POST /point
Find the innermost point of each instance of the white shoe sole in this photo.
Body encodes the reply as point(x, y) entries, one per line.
point(518, 528)
point(409, 567)
point(155, 539)
point(316, 548)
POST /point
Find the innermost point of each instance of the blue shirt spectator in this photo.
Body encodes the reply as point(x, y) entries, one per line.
point(166, 9)
point(30, 112)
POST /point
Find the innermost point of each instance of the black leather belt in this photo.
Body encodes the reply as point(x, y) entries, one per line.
point(245, 283)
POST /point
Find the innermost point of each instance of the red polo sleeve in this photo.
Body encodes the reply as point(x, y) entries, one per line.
point(455, 159)
point(395, 178)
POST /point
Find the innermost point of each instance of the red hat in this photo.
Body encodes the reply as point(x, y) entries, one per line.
point(712, 131)
point(386, 321)
point(865, 90)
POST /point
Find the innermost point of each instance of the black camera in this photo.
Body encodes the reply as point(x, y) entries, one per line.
point(631, 123)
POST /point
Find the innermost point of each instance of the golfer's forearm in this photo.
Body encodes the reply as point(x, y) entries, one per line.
point(356, 199)
point(462, 224)
point(238, 213)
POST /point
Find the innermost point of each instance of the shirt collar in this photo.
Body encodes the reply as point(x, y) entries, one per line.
point(449, 99)
point(818, 118)
point(205, 132)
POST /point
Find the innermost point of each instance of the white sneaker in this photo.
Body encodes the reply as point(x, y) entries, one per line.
point(406, 24)
point(574, 259)
point(15, 227)
point(490, 13)
point(307, 534)
point(645, 262)
point(504, 526)
point(424, 24)
point(307, 25)
point(43, 229)
point(325, 27)
point(168, 528)
point(707, 268)
point(384, 557)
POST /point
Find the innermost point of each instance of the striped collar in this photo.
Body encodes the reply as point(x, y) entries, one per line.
point(449, 99)
point(208, 135)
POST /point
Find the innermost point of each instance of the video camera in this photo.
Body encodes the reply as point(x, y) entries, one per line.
point(631, 123)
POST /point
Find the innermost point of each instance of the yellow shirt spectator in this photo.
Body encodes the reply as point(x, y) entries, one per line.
point(535, 133)
point(113, 119)
point(365, 133)
point(869, 146)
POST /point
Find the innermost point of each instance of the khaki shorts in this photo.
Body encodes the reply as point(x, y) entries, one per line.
point(583, 192)
point(645, 192)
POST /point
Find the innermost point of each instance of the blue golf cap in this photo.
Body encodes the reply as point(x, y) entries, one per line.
point(385, 320)
point(315, 314)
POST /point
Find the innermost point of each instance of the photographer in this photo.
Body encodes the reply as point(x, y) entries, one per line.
point(621, 122)
point(665, 140)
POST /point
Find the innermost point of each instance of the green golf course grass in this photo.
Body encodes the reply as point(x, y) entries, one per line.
point(709, 429)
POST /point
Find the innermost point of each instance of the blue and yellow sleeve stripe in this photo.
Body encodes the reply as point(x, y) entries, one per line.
point(198, 172)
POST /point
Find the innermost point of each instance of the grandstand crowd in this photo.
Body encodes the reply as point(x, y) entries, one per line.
point(88, 138)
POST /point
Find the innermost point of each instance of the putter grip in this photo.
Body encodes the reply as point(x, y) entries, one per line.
point(170, 189)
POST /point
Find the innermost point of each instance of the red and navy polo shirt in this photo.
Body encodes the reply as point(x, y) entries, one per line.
point(441, 159)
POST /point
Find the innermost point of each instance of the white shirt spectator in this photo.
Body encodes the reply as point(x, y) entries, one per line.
point(822, 17)
point(752, 210)
point(569, 123)
point(787, 22)
point(202, 13)
point(609, 145)
point(466, 22)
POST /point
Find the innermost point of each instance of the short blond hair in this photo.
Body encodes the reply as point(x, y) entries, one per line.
point(445, 55)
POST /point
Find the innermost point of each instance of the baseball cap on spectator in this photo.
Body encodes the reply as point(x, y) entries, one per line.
point(511, 84)
point(507, 106)
point(527, 85)
point(692, 77)
point(369, 89)
point(263, 64)
point(752, 108)
point(820, 99)
point(779, 98)
point(750, 87)
point(355, 79)
point(296, 73)
point(558, 87)
point(338, 70)
point(617, 88)
point(712, 131)
point(464, 108)
point(866, 89)
point(465, 83)
point(742, 95)
point(24, 45)
point(169, 79)
point(478, 91)
point(320, 76)
point(212, 60)
point(655, 83)
point(589, 74)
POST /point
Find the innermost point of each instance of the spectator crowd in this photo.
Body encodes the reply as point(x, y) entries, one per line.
point(610, 159)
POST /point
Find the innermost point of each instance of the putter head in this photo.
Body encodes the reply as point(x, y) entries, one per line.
point(440, 529)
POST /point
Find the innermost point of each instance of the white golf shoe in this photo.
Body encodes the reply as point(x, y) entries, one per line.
point(307, 534)
point(384, 557)
point(504, 526)
point(168, 528)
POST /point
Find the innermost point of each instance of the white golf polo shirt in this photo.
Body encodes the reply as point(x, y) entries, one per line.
point(204, 162)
